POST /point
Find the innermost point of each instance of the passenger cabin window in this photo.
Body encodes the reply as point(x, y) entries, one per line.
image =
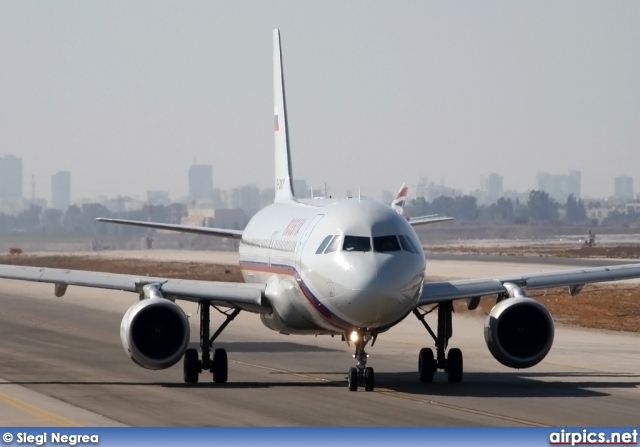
point(356, 243)
point(384, 244)
point(324, 244)
point(334, 245)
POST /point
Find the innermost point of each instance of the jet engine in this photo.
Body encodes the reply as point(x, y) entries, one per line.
point(519, 332)
point(155, 333)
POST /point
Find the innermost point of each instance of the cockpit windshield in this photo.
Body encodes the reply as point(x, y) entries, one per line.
point(384, 244)
point(356, 243)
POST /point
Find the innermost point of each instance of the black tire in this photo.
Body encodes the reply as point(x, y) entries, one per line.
point(369, 379)
point(220, 366)
point(426, 365)
point(454, 365)
point(352, 379)
point(191, 366)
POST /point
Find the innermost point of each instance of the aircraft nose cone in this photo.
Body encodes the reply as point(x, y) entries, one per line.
point(377, 292)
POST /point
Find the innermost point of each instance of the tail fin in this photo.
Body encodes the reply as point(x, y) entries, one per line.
point(284, 188)
point(401, 197)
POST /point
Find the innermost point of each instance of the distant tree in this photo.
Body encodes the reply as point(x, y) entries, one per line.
point(52, 220)
point(465, 208)
point(444, 206)
point(504, 209)
point(541, 207)
point(29, 219)
point(575, 210)
point(417, 207)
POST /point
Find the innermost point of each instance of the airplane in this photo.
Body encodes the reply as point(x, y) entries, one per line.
point(398, 205)
point(346, 267)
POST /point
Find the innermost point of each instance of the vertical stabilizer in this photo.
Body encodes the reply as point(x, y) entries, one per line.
point(283, 185)
point(400, 199)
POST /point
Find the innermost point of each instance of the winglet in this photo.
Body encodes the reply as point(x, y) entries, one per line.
point(401, 197)
point(283, 185)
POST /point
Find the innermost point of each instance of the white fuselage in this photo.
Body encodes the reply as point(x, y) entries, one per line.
point(361, 280)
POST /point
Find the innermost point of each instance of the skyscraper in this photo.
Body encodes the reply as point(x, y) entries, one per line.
point(10, 178)
point(61, 190)
point(623, 188)
point(200, 182)
point(560, 186)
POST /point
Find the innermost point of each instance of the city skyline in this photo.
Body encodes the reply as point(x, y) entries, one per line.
point(129, 104)
point(200, 186)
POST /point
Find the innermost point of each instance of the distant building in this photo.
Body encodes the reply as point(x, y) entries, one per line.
point(560, 186)
point(623, 188)
point(10, 178)
point(61, 190)
point(158, 197)
point(491, 188)
point(200, 182)
point(246, 197)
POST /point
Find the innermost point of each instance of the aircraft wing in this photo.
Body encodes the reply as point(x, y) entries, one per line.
point(248, 297)
point(221, 232)
point(424, 220)
point(440, 291)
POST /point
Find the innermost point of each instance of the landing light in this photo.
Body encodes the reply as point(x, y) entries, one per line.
point(354, 336)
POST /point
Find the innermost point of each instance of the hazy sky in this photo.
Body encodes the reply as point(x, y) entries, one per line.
point(127, 94)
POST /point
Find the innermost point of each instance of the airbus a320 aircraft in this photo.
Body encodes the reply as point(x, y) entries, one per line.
point(350, 267)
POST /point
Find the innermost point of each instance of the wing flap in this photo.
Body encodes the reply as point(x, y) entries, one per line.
point(249, 297)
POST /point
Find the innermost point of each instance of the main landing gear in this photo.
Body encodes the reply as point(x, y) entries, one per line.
point(427, 363)
point(361, 374)
point(218, 366)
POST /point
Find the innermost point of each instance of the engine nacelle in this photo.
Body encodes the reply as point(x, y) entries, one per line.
point(155, 333)
point(519, 332)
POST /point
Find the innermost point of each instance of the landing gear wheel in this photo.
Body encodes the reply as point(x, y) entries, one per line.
point(369, 379)
point(191, 366)
point(352, 379)
point(426, 365)
point(220, 366)
point(454, 365)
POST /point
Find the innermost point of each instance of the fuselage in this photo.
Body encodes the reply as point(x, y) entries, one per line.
point(333, 267)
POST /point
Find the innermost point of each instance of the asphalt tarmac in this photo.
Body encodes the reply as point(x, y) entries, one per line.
point(63, 364)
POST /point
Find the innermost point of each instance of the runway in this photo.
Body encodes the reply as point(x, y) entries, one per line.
point(63, 364)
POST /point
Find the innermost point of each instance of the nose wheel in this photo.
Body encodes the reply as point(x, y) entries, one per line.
point(361, 374)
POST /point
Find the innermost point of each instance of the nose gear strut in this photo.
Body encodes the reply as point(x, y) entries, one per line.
point(361, 374)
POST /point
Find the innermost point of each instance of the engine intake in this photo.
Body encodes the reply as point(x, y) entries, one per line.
point(519, 332)
point(155, 333)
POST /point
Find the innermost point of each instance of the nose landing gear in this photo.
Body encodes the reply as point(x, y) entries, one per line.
point(361, 374)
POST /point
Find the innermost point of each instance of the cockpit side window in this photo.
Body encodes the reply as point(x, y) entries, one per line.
point(356, 243)
point(412, 245)
point(334, 245)
point(324, 244)
point(404, 243)
point(384, 244)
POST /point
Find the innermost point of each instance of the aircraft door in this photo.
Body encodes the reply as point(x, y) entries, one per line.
point(303, 240)
point(271, 242)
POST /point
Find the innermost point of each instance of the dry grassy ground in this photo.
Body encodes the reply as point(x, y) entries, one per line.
point(612, 306)
point(564, 251)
